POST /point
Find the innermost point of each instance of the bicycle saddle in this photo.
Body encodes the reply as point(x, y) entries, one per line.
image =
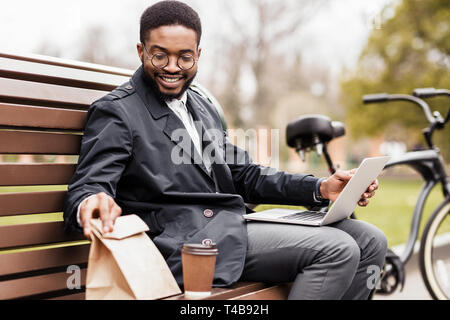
point(309, 130)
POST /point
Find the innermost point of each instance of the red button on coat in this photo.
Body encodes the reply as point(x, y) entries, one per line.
point(208, 213)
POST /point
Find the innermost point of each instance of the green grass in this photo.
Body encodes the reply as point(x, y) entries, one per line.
point(32, 188)
point(32, 218)
point(392, 207)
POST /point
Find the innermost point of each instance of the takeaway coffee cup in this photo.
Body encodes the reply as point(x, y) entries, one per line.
point(199, 262)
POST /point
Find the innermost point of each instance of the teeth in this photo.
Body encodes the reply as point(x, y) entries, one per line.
point(170, 79)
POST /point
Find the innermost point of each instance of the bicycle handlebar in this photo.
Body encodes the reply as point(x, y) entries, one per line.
point(374, 98)
point(430, 92)
point(384, 97)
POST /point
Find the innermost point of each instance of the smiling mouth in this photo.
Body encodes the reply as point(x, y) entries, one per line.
point(167, 79)
point(170, 80)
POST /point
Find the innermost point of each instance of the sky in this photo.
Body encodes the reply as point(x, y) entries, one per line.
point(333, 37)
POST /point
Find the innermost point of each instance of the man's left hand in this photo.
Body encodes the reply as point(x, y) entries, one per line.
point(332, 187)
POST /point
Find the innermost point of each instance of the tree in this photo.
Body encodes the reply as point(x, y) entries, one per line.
point(254, 42)
point(95, 46)
point(409, 50)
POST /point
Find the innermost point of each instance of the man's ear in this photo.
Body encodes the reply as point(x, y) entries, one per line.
point(140, 50)
point(199, 52)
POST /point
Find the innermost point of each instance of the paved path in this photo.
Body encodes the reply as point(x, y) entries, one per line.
point(414, 286)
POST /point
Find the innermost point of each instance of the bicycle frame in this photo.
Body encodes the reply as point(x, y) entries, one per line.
point(429, 164)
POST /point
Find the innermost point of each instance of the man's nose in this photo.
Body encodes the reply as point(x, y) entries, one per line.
point(172, 66)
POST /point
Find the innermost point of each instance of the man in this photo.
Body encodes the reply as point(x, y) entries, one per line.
point(130, 163)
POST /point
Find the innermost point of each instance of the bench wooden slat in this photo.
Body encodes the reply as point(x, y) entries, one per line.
point(66, 63)
point(16, 142)
point(43, 94)
point(34, 71)
point(15, 236)
point(13, 263)
point(75, 296)
point(12, 174)
point(18, 288)
point(237, 289)
point(276, 292)
point(20, 203)
point(41, 117)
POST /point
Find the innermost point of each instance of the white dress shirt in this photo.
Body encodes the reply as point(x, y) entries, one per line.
point(178, 106)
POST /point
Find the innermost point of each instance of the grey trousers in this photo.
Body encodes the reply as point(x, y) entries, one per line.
point(329, 262)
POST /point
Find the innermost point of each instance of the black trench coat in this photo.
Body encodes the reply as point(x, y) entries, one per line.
point(126, 152)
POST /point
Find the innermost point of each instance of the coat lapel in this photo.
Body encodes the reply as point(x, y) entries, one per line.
point(177, 133)
point(221, 173)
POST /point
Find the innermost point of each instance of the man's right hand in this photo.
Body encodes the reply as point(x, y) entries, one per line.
point(100, 205)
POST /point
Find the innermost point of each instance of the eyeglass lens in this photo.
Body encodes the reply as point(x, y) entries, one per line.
point(185, 61)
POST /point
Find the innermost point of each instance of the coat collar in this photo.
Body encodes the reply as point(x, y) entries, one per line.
point(155, 106)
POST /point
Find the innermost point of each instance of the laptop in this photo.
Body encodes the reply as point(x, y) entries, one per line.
point(342, 208)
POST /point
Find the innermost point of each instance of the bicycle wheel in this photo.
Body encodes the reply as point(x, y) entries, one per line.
point(435, 252)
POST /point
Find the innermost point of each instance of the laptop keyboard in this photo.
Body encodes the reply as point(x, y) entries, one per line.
point(305, 215)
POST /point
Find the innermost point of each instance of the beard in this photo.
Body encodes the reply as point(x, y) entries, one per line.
point(161, 95)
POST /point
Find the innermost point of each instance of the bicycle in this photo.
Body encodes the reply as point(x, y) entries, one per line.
point(316, 131)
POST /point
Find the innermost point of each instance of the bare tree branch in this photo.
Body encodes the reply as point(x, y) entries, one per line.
point(266, 24)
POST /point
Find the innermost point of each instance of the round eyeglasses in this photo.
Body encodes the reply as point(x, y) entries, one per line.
point(160, 60)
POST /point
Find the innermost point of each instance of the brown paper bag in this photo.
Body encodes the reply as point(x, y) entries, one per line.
point(126, 264)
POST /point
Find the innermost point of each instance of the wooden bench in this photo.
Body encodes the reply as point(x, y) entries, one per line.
point(43, 103)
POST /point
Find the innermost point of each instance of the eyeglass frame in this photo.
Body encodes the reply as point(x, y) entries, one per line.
point(168, 59)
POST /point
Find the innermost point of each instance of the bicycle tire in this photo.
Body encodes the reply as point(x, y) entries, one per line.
point(427, 265)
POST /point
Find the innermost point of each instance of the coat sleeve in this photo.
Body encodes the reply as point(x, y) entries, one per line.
point(260, 184)
point(105, 148)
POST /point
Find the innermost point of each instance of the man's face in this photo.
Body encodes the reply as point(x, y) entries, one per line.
point(175, 40)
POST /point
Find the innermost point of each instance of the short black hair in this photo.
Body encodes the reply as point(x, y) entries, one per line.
point(169, 12)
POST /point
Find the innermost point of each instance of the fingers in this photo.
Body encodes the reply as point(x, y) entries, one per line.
point(370, 192)
point(342, 175)
point(86, 214)
point(115, 211)
point(367, 195)
point(104, 212)
point(345, 175)
point(363, 202)
point(101, 205)
point(334, 184)
point(374, 185)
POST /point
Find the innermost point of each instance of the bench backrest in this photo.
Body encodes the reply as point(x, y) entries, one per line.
point(43, 103)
